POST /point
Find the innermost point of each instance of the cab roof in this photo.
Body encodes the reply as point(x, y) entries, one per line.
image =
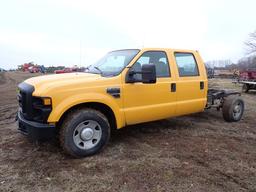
point(160, 49)
point(167, 49)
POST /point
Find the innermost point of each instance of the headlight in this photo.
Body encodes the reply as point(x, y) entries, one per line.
point(42, 107)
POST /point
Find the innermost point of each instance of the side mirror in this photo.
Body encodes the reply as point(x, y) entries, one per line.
point(148, 73)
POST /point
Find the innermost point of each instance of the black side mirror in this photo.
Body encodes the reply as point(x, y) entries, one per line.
point(148, 73)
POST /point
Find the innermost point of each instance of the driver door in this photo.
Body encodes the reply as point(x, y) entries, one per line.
point(149, 102)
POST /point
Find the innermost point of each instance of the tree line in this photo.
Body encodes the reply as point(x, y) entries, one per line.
point(249, 62)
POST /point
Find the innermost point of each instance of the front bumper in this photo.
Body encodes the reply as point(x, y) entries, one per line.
point(34, 130)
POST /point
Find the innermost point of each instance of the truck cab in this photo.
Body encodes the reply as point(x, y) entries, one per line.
point(123, 88)
point(180, 87)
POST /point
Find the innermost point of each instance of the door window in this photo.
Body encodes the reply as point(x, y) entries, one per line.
point(186, 64)
point(158, 58)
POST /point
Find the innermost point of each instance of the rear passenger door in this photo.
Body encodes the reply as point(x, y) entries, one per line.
point(191, 83)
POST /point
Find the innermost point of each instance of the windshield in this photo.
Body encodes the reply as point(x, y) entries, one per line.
point(113, 63)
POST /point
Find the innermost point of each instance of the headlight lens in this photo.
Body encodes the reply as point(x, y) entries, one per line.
point(42, 107)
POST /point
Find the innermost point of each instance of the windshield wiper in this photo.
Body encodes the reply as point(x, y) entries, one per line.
point(95, 67)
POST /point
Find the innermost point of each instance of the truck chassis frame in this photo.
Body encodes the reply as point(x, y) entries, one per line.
point(216, 97)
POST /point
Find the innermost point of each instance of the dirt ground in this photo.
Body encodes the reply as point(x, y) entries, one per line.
point(198, 152)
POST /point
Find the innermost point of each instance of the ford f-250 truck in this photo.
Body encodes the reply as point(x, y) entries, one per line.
point(125, 87)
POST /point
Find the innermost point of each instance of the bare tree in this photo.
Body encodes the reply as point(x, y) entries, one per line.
point(251, 43)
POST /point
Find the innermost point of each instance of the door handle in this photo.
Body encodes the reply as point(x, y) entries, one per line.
point(201, 85)
point(173, 87)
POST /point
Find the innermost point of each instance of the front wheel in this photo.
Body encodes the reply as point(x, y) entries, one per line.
point(84, 132)
point(233, 109)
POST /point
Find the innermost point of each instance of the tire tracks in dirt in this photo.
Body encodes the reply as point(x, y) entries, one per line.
point(219, 173)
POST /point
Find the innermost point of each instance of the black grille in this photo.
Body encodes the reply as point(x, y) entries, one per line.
point(19, 98)
point(22, 102)
point(31, 107)
point(25, 100)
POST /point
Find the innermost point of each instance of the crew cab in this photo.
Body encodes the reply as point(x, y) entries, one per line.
point(123, 88)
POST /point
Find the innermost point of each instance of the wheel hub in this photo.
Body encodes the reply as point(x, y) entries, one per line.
point(86, 134)
point(237, 109)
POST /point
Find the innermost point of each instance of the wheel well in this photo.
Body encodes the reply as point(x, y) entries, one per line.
point(106, 110)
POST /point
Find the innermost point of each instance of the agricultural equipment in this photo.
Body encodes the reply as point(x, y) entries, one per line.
point(248, 79)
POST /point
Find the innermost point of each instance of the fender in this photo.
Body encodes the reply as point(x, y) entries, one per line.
point(69, 102)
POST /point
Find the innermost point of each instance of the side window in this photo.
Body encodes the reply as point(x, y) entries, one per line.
point(186, 64)
point(158, 58)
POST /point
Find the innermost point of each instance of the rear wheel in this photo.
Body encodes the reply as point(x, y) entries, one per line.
point(245, 88)
point(84, 132)
point(233, 108)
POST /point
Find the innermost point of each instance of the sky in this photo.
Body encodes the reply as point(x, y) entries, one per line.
point(79, 32)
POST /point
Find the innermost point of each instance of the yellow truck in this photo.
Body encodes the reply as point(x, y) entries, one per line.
point(123, 88)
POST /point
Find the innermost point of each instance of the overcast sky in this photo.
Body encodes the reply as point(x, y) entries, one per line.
point(78, 32)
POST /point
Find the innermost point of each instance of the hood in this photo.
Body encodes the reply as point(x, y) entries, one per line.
point(46, 83)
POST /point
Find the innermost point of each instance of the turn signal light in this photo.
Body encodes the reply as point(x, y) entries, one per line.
point(47, 101)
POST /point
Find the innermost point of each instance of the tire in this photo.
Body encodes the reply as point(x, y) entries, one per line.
point(233, 109)
point(245, 88)
point(84, 132)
